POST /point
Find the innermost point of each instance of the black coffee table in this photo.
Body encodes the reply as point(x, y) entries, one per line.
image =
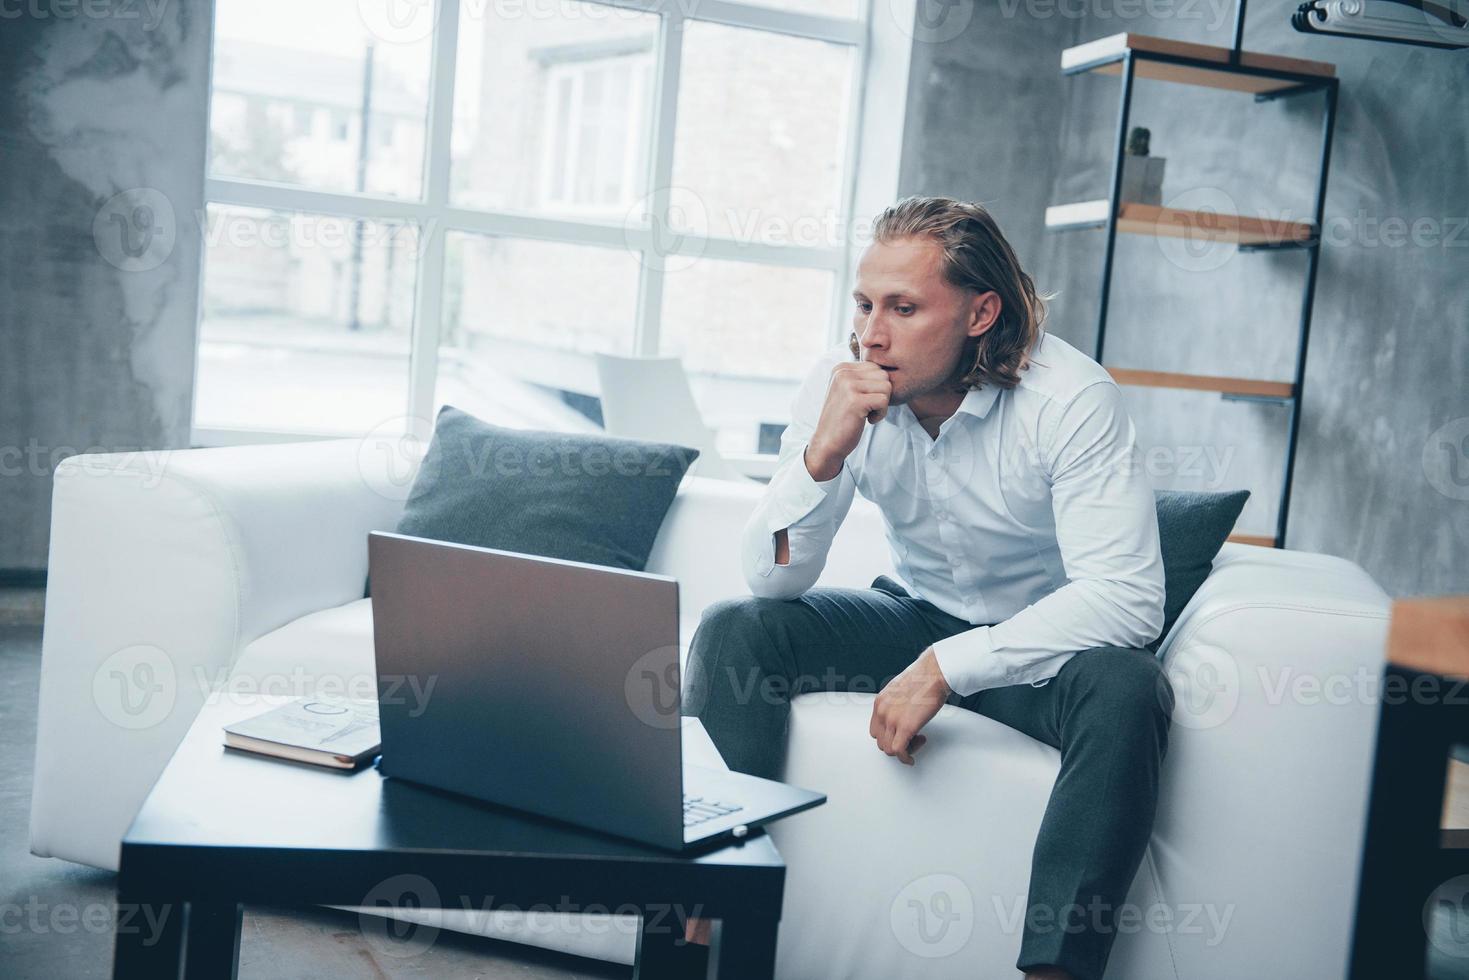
point(222, 829)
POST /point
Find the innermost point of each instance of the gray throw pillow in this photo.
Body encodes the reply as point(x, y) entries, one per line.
point(587, 498)
point(1192, 527)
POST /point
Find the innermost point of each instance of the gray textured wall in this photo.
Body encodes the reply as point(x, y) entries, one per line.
point(985, 113)
point(97, 293)
point(1382, 474)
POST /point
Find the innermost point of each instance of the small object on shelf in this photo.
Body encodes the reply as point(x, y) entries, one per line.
point(1139, 141)
point(1142, 175)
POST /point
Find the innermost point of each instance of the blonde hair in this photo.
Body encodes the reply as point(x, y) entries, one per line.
point(977, 259)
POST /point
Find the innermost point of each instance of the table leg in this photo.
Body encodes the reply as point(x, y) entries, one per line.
point(662, 953)
point(743, 948)
point(212, 940)
point(148, 941)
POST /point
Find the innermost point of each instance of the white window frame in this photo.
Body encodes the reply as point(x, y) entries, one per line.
point(435, 217)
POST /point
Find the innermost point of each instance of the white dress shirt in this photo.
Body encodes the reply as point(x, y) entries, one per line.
point(1030, 513)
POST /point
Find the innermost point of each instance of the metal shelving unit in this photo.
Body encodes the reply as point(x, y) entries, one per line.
point(1266, 77)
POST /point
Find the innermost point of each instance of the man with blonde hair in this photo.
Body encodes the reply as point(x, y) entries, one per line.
point(1026, 541)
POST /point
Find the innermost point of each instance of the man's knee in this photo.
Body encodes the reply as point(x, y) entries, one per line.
point(738, 644)
point(747, 622)
point(1129, 684)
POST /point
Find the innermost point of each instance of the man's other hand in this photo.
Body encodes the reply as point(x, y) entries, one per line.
point(907, 704)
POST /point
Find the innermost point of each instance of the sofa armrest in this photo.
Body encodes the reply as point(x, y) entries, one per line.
point(1253, 861)
point(162, 567)
point(1275, 666)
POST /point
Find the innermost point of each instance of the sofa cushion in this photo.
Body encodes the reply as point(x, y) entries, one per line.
point(1192, 527)
point(578, 497)
point(325, 653)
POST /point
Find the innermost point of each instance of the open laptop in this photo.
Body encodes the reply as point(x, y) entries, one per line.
point(549, 686)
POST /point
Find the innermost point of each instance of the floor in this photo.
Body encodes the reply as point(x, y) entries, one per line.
point(56, 917)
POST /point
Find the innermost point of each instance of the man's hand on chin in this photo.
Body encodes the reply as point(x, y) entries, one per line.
point(907, 704)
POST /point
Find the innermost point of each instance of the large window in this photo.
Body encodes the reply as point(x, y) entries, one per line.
point(464, 203)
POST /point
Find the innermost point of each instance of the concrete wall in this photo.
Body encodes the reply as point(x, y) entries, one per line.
point(986, 114)
point(98, 291)
point(1382, 473)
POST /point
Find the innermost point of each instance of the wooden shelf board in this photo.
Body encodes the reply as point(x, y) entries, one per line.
point(1150, 219)
point(1203, 382)
point(1222, 78)
point(1263, 540)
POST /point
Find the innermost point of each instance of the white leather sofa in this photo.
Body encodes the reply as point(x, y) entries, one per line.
point(243, 568)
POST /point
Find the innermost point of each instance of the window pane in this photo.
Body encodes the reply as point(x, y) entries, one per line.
point(306, 322)
point(746, 333)
point(552, 108)
point(522, 319)
point(761, 135)
point(293, 84)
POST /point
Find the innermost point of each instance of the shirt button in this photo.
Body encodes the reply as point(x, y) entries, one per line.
point(956, 562)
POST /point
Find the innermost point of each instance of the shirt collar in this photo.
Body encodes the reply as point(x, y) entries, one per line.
point(977, 402)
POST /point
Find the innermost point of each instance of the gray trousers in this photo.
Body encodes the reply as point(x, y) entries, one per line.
point(1107, 711)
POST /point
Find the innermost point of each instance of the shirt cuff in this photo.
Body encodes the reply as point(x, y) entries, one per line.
point(968, 662)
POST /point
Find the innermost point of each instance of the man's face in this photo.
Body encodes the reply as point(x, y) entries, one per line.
point(912, 322)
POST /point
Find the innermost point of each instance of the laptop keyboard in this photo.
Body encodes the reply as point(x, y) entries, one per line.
point(696, 809)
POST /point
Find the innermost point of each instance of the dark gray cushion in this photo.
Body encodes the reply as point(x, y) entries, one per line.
point(1192, 527)
point(587, 498)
